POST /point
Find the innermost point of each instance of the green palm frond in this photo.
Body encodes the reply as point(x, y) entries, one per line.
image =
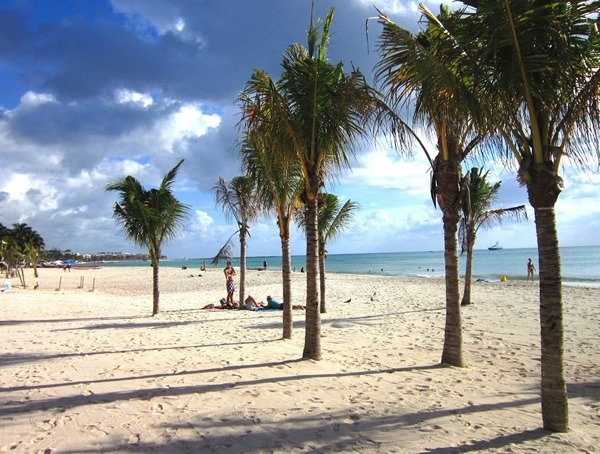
point(149, 217)
point(482, 195)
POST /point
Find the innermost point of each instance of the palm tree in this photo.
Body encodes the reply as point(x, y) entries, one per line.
point(150, 217)
point(333, 219)
point(478, 213)
point(33, 255)
point(237, 198)
point(414, 69)
point(321, 111)
point(537, 69)
point(23, 234)
point(278, 189)
point(17, 243)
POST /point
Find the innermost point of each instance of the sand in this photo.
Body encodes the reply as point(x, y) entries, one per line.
point(91, 371)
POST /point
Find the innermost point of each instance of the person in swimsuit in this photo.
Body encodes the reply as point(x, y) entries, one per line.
point(229, 284)
point(530, 269)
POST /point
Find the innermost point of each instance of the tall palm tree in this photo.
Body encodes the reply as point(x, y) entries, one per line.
point(537, 69)
point(279, 186)
point(414, 70)
point(478, 213)
point(149, 217)
point(333, 219)
point(237, 198)
point(322, 110)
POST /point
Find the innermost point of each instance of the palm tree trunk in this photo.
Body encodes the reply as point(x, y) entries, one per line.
point(555, 407)
point(323, 309)
point(466, 299)
point(242, 267)
point(312, 340)
point(155, 291)
point(543, 188)
point(448, 195)
point(286, 271)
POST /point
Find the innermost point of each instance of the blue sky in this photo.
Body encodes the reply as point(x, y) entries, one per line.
point(95, 90)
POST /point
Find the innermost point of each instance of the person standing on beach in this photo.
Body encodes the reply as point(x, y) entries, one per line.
point(530, 269)
point(229, 284)
point(264, 264)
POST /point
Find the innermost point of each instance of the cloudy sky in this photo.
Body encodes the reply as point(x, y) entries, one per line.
point(95, 90)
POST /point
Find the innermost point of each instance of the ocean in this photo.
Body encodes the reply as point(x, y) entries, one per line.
point(580, 265)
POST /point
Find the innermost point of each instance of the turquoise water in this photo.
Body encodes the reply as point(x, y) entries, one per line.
point(580, 265)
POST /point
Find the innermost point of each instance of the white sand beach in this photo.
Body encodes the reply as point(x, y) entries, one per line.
point(84, 371)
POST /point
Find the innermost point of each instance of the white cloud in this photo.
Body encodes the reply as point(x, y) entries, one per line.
point(188, 122)
point(383, 168)
point(396, 7)
point(31, 99)
point(124, 96)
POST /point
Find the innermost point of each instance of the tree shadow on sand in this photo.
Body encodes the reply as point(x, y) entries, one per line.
point(68, 320)
point(340, 321)
point(346, 431)
point(69, 402)
point(11, 359)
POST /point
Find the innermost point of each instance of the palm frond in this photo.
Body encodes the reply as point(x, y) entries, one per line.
point(226, 251)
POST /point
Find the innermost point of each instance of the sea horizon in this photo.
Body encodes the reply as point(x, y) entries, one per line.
point(580, 265)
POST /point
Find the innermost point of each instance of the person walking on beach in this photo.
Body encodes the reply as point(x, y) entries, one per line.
point(530, 269)
point(229, 284)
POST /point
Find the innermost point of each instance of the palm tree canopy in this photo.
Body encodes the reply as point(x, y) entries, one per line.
point(278, 183)
point(478, 213)
point(22, 235)
point(333, 218)
point(149, 217)
point(537, 69)
point(237, 199)
point(315, 111)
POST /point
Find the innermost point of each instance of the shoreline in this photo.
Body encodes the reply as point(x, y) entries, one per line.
point(90, 370)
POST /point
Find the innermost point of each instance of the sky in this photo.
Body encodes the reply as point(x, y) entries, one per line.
point(92, 91)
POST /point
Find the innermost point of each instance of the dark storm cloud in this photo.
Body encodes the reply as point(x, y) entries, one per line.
point(51, 123)
point(78, 58)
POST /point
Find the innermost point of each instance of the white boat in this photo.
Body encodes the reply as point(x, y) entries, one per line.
point(496, 247)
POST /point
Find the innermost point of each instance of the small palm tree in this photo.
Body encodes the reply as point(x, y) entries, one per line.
point(33, 255)
point(279, 186)
point(150, 217)
point(237, 198)
point(333, 219)
point(478, 213)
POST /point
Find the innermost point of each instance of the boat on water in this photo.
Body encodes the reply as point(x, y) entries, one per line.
point(496, 247)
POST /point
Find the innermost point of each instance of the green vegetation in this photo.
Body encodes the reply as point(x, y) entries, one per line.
point(149, 217)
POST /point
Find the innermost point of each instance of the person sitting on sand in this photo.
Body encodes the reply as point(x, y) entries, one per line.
point(252, 305)
point(203, 267)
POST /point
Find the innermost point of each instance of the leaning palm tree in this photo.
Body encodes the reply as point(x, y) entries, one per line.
point(149, 217)
point(279, 186)
point(321, 111)
point(237, 198)
point(414, 71)
point(537, 69)
point(478, 213)
point(333, 219)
